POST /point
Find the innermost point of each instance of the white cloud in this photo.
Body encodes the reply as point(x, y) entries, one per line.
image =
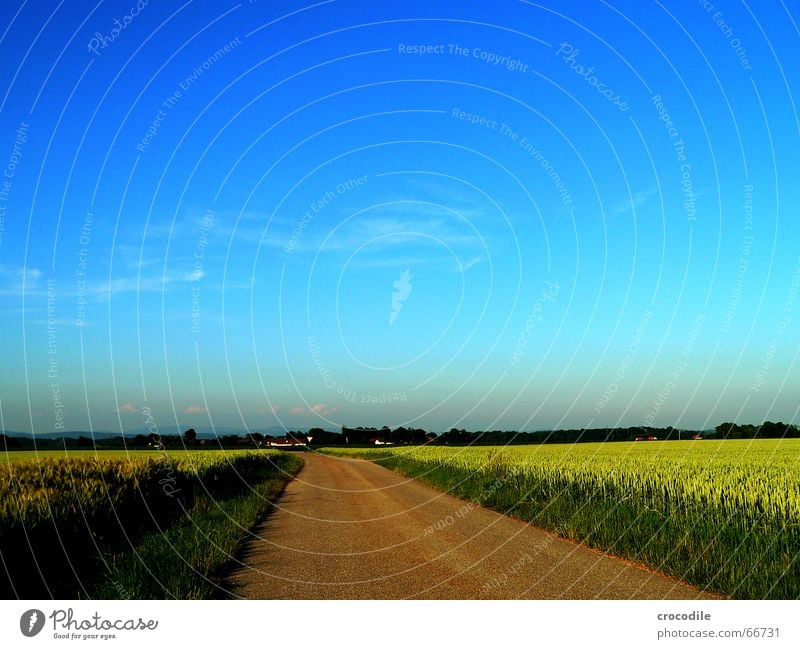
point(194, 410)
point(634, 202)
point(16, 281)
point(322, 409)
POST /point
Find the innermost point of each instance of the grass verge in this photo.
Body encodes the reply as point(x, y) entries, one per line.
point(67, 525)
point(186, 560)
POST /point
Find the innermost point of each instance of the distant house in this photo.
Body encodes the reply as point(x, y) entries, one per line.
point(379, 442)
point(278, 442)
point(363, 435)
point(697, 436)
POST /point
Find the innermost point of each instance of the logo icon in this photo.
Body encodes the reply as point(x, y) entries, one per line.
point(402, 289)
point(31, 622)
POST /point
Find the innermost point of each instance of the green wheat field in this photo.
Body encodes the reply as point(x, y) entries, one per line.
point(118, 525)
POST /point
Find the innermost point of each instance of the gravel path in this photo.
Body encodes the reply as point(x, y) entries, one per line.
point(350, 529)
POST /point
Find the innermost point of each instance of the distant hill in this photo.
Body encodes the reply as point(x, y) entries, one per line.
point(203, 432)
point(60, 434)
point(207, 432)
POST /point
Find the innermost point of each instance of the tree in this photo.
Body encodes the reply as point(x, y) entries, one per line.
point(190, 436)
point(7, 442)
point(727, 430)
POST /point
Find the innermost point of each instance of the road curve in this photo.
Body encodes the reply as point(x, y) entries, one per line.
point(350, 529)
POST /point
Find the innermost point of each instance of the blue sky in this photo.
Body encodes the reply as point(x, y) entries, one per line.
point(483, 215)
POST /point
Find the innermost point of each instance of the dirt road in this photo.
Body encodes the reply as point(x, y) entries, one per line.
point(351, 529)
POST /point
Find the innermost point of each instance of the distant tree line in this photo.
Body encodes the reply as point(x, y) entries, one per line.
point(361, 436)
point(400, 435)
point(187, 440)
point(570, 436)
point(462, 437)
point(767, 430)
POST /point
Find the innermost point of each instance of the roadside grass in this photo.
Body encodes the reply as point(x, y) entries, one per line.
point(187, 559)
point(67, 525)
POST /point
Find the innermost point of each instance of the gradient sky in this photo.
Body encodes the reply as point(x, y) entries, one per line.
point(210, 213)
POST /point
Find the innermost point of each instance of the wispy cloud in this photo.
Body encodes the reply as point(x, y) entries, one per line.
point(470, 263)
point(316, 409)
point(15, 280)
point(397, 262)
point(634, 202)
point(322, 409)
point(141, 284)
point(195, 410)
point(390, 227)
point(448, 194)
point(127, 408)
